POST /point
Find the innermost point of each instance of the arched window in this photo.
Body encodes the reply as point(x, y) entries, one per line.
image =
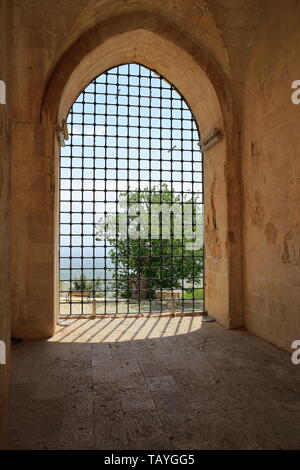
point(131, 199)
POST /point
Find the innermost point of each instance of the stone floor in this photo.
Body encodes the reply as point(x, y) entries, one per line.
point(153, 383)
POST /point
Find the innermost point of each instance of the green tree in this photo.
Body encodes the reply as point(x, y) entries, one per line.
point(83, 285)
point(142, 263)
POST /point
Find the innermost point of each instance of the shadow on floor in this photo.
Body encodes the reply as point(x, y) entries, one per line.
point(154, 383)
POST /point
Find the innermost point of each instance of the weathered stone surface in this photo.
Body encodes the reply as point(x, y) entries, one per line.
point(231, 391)
point(5, 166)
point(271, 169)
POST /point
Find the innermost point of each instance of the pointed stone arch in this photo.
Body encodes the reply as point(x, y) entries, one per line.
point(155, 43)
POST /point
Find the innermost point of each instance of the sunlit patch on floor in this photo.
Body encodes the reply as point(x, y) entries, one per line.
point(124, 329)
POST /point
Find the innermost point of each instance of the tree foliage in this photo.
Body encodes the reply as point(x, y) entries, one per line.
point(162, 263)
point(83, 285)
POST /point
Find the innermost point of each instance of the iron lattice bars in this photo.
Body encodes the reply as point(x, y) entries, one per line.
point(132, 151)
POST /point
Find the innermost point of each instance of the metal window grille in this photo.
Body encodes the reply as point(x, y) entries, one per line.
point(133, 139)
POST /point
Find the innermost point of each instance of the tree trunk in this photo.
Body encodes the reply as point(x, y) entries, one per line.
point(139, 288)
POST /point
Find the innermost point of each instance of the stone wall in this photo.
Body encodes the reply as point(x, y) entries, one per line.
point(52, 61)
point(271, 176)
point(4, 218)
point(247, 50)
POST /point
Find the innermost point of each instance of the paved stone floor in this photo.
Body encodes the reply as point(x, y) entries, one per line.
point(158, 383)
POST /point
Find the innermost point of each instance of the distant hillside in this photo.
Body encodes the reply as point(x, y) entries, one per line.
point(98, 262)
